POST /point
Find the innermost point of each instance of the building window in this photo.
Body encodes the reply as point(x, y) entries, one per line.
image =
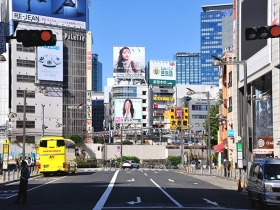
point(230, 104)
point(144, 101)
point(28, 94)
point(144, 109)
point(230, 79)
point(144, 93)
point(29, 124)
point(29, 109)
point(25, 63)
point(28, 139)
point(21, 48)
point(26, 78)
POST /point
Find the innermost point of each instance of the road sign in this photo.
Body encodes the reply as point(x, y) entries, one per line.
point(179, 113)
point(6, 141)
point(2, 38)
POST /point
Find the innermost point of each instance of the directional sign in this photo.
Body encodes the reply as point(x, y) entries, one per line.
point(132, 202)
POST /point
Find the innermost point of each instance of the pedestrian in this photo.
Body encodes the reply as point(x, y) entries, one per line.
point(244, 162)
point(24, 176)
point(196, 162)
point(226, 168)
point(111, 162)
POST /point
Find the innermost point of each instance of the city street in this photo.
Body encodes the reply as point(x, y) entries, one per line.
point(125, 189)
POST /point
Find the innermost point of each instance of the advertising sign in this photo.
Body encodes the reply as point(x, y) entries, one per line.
point(128, 110)
point(230, 133)
point(2, 38)
point(128, 61)
point(50, 62)
point(71, 13)
point(162, 72)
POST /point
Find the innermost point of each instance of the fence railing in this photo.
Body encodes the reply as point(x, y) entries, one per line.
point(10, 175)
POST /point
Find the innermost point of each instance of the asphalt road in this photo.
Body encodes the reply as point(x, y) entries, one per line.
point(124, 189)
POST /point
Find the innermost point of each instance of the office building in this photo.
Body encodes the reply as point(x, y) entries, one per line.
point(96, 74)
point(211, 40)
point(188, 70)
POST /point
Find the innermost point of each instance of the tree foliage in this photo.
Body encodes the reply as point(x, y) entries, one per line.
point(214, 123)
point(127, 142)
point(173, 160)
point(78, 139)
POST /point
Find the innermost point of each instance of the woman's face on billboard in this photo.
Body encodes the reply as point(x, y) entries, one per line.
point(126, 54)
point(127, 105)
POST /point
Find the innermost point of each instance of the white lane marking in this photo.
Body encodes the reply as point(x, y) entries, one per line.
point(107, 192)
point(132, 180)
point(156, 172)
point(146, 174)
point(170, 180)
point(132, 202)
point(37, 186)
point(211, 202)
point(172, 199)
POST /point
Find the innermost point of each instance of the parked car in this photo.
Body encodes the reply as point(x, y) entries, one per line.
point(264, 182)
point(130, 164)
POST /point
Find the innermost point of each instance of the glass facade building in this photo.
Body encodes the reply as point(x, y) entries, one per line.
point(96, 74)
point(211, 40)
point(188, 68)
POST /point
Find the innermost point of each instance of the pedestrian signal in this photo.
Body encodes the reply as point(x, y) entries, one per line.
point(30, 38)
point(262, 32)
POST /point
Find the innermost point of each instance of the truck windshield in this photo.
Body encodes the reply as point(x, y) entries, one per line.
point(272, 172)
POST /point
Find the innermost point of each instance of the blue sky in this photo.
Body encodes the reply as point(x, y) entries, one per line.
point(163, 27)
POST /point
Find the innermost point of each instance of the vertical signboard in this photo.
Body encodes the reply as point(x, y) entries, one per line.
point(89, 117)
point(239, 155)
point(2, 38)
point(5, 154)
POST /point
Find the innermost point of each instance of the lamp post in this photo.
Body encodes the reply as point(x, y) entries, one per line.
point(220, 62)
point(191, 92)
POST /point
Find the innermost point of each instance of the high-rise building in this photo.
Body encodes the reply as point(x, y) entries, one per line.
point(211, 40)
point(96, 74)
point(188, 68)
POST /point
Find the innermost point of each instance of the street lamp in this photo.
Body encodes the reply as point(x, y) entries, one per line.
point(191, 92)
point(220, 62)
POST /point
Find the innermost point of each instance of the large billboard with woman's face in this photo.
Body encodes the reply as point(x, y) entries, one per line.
point(67, 13)
point(128, 110)
point(128, 61)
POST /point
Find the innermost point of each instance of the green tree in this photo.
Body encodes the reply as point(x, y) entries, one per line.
point(214, 123)
point(126, 142)
point(78, 139)
point(173, 160)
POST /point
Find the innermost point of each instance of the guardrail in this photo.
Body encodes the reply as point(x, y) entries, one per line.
point(11, 175)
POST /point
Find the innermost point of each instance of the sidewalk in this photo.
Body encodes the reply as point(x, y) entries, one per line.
point(217, 178)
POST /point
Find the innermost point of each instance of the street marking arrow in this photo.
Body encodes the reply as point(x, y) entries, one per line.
point(170, 180)
point(132, 202)
point(208, 201)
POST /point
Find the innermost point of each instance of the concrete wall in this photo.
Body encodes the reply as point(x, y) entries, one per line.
point(143, 152)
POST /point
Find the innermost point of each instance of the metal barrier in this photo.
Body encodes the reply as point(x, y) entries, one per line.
point(15, 174)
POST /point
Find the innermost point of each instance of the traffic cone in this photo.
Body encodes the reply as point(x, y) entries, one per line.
point(239, 186)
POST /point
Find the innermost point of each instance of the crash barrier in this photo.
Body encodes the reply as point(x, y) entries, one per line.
point(10, 175)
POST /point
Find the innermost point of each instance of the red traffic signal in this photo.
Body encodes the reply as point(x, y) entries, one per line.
point(262, 32)
point(30, 38)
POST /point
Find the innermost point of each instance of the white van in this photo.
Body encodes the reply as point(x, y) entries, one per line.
point(264, 182)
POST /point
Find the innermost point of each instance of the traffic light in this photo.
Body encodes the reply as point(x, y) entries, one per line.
point(30, 38)
point(262, 32)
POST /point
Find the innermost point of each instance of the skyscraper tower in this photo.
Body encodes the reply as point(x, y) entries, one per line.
point(96, 74)
point(188, 68)
point(211, 40)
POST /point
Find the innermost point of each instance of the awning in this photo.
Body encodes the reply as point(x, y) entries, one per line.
point(219, 148)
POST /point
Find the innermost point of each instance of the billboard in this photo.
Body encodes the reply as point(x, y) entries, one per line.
point(71, 13)
point(162, 73)
point(128, 110)
point(50, 62)
point(128, 61)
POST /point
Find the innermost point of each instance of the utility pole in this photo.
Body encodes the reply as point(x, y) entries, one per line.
point(121, 145)
point(43, 120)
point(24, 125)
